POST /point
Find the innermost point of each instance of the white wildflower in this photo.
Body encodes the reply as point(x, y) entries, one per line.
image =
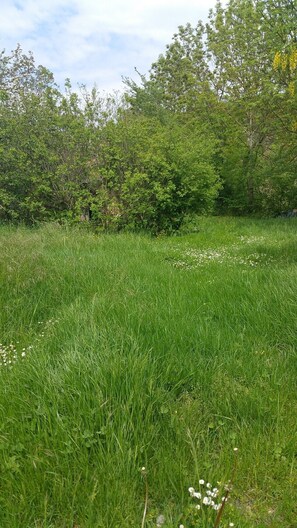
point(197, 495)
point(201, 481)
point(160, 520)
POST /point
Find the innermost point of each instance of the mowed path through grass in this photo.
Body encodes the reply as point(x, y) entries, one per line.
point(123, 351)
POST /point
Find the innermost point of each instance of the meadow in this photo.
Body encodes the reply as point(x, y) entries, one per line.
point(122, 352)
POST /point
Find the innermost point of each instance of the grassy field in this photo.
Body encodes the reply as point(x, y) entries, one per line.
point(125, 351)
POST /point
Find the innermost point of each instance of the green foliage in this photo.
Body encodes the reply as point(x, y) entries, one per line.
point(85, 156)
point(155, 174)
point(214, 124)
point(183, 73)
point(224, 75)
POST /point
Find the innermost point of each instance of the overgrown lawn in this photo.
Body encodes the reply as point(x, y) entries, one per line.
point(124, 351)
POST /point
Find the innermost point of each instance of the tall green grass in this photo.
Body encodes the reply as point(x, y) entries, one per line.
point(147, 354)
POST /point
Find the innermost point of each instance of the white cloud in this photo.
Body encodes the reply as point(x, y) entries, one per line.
point(96, 40)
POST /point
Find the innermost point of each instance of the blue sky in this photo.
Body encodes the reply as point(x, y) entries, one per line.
point(96, 41)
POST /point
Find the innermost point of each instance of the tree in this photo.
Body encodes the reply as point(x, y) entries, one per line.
point(183, 73)
point(153, 174)
point(242, 39)
point(27, 108)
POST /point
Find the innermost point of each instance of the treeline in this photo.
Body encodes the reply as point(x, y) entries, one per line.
point(213, 127)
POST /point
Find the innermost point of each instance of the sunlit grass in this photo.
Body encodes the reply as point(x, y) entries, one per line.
point(124, 359)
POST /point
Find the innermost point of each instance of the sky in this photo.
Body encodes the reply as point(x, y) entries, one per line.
point(96, 41)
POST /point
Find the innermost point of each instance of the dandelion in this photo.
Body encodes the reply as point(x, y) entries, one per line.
point(201, 482)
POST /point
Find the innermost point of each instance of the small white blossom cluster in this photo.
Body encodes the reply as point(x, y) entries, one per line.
point(251, 239)
point(49, 322)
point(195, 258)
point(207, 496)
point(47, 325)
point(9, 354)
point(231, 524)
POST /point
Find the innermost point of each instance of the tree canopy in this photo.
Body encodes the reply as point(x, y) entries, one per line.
point(212, 127)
